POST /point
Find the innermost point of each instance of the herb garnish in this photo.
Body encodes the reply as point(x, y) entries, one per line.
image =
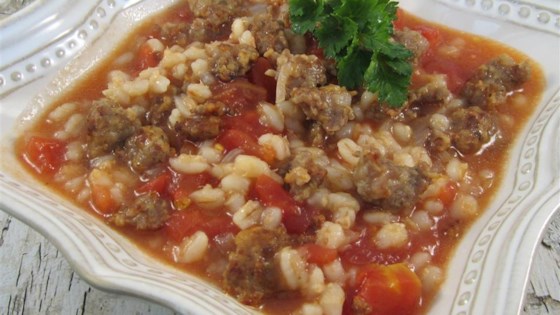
point(357, 35)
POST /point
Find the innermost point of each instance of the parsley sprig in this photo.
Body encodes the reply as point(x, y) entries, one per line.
point(357, 34)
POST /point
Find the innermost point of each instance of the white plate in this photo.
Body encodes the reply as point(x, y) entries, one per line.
point(487, 274)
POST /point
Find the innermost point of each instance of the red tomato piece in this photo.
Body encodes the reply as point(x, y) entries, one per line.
point(399, 22)
point(158, 184)
point(248, 122)
point(147, 57)
point(233, 139)
point(389, 290)
point(320, 255)
point(45, 155)
point(456, 76)
point(272, 194)
point(364, 251)
point(447, 194)
point(258, 77)
point(102, 200)
point(239, 95)
point(430, 33)
point(185, 223)
point(219, 225)
point(184, 185)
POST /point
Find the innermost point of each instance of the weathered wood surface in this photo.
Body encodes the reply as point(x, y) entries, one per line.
point(36, 279)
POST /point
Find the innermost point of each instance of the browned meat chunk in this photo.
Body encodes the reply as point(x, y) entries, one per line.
point(438, 141)
point(306, 172)
point(492, 82)
point(228, 61)
point(413, 41)
point(176, 33)
point(215, 10)
point(204, 123)
point(251, 274)
point(317, 136)
point(328, 105)
point(378, 180)
point(147, 148)
point(147, 212)
point(159, 111)
point(268, 33)
point(306, 71)
point(212, 19)
point(430, 97)
point(471, 128)
point(108, 126)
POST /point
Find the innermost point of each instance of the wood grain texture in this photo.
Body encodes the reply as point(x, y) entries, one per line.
point(543, 292)
point(36, 279)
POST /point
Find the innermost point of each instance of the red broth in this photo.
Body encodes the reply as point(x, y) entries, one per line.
point(206, 171)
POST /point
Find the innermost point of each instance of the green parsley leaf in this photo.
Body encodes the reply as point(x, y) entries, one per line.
point(352, 67)
point(357, 34)
point(304, 14)
point(384, 76)
point(335, 34)
point(357, 10)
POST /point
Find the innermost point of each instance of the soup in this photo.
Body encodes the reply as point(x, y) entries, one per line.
point(219, 141)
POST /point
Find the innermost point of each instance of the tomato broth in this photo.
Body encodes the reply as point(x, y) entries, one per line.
point(207, 148)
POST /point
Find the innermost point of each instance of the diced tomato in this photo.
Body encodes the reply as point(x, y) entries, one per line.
point(272, 194)
point(45, 155)
point(248, 122)
point(185, 223)
point(185, 184)
point(158, 184)
point(389, 290)
point(447, 194)
point(239, 95)
point(102, 200)
point(147, 57)
point(258, 77)
point(432, 34)
point(320, 255)
point(456, 76)
point(399, 22)
point(233, 138)
point(219, 225)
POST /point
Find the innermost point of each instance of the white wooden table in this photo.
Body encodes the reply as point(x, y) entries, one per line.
point(36, 279)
